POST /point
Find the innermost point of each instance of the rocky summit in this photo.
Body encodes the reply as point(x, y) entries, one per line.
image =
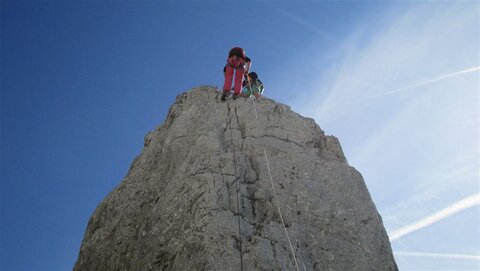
point(237, 185)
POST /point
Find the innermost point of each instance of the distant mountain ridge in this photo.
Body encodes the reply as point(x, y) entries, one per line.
point(237, 185)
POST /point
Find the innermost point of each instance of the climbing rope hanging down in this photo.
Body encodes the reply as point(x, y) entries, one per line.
point(237, 189)
point(275, 196)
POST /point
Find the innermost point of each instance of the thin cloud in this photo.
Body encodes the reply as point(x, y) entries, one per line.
point(433, 80)
point(309, 26)
point(432, 186)
point(458, 206)
point(401, 51)
point(438, 255)
point(411, 86)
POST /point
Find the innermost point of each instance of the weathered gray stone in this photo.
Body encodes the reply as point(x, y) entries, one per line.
point(177, 207)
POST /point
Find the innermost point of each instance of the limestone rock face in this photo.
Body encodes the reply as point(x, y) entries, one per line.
point(200, 196)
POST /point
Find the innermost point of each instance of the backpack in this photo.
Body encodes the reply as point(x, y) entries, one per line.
point(237, 51)
point(260, 86)
point(256, 87)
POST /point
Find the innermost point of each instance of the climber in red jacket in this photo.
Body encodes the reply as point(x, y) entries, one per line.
point(238, 63)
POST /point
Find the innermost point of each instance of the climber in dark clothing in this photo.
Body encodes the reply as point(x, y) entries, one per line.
point(239, 64)
point(252, 85)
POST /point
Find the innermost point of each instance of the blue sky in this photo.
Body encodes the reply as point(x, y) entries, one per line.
point(81, 83)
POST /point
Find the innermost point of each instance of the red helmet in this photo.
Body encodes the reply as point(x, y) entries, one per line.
point(237, 51)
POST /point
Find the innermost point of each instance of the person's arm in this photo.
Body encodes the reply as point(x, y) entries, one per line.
point(248, 64)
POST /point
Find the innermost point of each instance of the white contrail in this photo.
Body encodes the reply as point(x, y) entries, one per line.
point(442, 214)
point(437, 255)
point(424, 82)
point(414, 85)
point(309, 26)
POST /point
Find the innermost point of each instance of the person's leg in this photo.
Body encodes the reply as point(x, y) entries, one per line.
point(238, 81)
point(227, 85)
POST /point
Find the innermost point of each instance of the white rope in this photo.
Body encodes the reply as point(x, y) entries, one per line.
point(280, 212)
point(251, 92)
point(255, 108)
point(275, 197)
